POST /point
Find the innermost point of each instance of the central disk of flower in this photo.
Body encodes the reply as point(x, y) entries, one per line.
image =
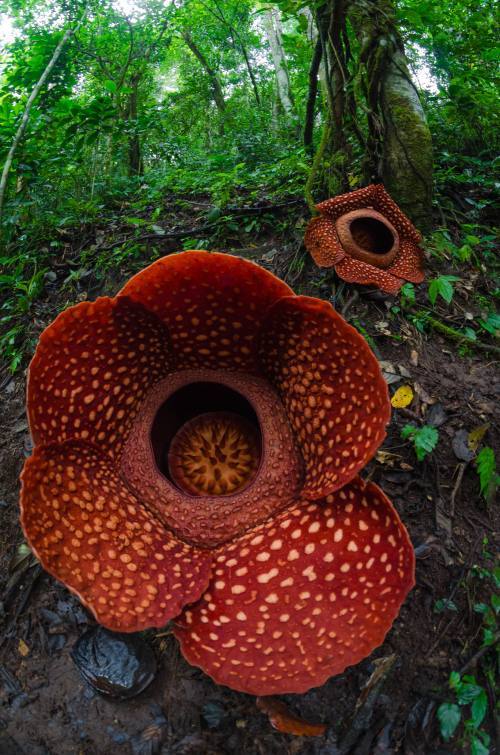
point(216, 453)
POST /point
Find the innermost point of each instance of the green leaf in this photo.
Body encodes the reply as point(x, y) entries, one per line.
point(468, 692)
point(481, 608)
point(486, 469)
point(478, 708)
point(424, 439)
point(408, 293)
point(491, 324)
point(443, 287)
point(109, 86)
point(408, 431)
point(135, 221)
point(449, 717)
point(444, 604)
point(477, 747)
point(454, 680)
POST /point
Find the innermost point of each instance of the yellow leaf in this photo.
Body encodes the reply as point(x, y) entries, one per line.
point(476, 435)
point(23, 648)
point(403, 397)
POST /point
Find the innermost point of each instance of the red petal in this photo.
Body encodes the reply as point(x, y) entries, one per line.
point(384, 203)
point(212, 303)
point(357, 271)
point(91, 533)
point(303, 596)
point(408, 263)
point(353, 200)
point(332, 388)
point(91, 370)
point(322, 242)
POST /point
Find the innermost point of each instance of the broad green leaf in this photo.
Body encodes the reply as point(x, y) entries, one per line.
point(486, 469)
point(109, 86)
point(478, 708)
point(443, 287)
point(477, 747)
point(449, 716)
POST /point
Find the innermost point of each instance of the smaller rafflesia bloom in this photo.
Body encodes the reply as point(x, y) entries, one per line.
point(367, 239)
point(197, 445)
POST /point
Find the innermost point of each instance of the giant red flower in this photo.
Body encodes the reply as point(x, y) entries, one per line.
point(198, 440)
point(367, 238)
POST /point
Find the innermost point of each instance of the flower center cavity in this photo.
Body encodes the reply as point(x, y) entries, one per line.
point(372, 235)
point(206, 440)
point(368, 236)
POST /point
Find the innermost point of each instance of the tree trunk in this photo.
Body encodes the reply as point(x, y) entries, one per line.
point(214, 81)
point(236, 38)
point(313, 37)
point(31, 99)
point(400, 145)
point(311, 98)
point(135, 165)
point(335, 149)
point(272, 26)
point(250, 70)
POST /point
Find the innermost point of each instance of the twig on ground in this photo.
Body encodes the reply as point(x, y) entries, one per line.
point(456, 487)
point(455, 335)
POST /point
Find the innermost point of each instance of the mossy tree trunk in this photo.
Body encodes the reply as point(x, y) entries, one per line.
point(373, 109)
point(399, 147)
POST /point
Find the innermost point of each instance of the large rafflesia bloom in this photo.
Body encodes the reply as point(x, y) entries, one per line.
point(198, 439)
point(367, 239)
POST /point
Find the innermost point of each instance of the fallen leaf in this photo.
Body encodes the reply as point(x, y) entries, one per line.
point(436, 416)
point(383, 327)
point(476, 435)
point(414, 357)
point(23, 648)
point(403, 397)
point(387, 458)
point(389, 372)
point(460, 445)
point(403, 371)
point(424, 396)
point(284, 721)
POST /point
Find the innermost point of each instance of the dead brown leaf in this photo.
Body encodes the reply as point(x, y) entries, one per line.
point(286, 722)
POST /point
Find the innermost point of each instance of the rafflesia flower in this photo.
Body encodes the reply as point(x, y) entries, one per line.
point(197, 444)
point(367, 239)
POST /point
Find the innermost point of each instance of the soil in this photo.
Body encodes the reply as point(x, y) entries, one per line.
point(46, 707)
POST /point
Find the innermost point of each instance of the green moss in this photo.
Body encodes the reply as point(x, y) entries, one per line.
point(408, 159)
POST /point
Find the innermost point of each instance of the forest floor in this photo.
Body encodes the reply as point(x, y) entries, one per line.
point(46, 708)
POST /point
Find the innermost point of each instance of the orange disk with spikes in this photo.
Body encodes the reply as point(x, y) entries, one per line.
point(216, 453)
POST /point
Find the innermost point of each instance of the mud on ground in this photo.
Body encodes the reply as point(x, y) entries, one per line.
point(47, 708)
